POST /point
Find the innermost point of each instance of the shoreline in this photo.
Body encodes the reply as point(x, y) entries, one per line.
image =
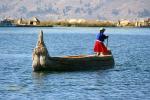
point(73, 23)
point(77, 26)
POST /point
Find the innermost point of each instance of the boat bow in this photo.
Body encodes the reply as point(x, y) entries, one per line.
point(40, 54)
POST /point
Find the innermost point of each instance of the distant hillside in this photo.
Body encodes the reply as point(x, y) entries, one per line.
point(88, 9)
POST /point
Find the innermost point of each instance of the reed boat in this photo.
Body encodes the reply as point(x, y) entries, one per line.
point(42, 61)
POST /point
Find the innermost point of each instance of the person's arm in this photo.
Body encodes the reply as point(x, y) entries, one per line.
point(106, 36)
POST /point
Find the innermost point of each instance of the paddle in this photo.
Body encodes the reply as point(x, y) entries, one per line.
point(107, 43)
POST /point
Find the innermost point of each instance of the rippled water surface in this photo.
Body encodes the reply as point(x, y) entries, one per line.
point(128, 80)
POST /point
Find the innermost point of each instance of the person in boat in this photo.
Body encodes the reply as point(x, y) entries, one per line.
point(99, 47)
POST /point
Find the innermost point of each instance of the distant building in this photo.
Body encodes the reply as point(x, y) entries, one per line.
point(123, 23)
point(81, 20)
point(76, 20)
point(20, 21)
point(34, 21)
point(143, 23)
point(6, 22)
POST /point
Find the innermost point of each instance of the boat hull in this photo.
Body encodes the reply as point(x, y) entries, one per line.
point(77, 63)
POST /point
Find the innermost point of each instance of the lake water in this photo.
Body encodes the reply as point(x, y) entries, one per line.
point(128, 80)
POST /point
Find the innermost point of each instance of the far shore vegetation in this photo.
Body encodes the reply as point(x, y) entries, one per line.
point(35, 22)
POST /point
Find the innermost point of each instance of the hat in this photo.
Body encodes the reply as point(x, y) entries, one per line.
point(102, 29)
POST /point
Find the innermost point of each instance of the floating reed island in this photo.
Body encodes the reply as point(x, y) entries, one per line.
point(42, 61)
